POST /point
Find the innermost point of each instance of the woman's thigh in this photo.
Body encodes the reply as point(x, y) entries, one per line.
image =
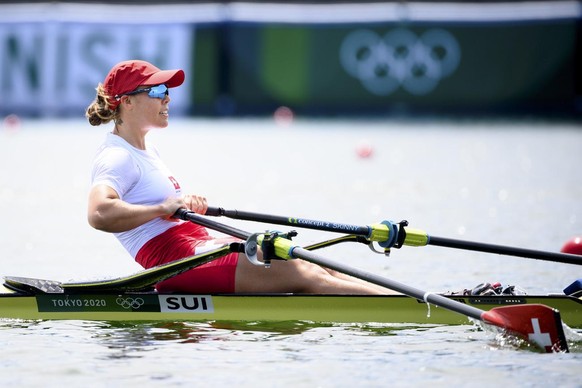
point(281, 276)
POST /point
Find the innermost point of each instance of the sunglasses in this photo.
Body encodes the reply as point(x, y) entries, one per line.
point(159, 91)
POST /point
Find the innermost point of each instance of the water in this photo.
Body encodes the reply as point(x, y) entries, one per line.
point(516, 184)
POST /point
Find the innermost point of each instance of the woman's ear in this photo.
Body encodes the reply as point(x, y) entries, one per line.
point(126, 101)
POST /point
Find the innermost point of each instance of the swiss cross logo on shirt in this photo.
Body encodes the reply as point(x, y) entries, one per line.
point(174, 182)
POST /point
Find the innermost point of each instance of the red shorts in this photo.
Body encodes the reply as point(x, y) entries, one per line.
point(181, 241)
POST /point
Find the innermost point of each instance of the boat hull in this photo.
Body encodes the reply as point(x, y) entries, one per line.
point(273, 307)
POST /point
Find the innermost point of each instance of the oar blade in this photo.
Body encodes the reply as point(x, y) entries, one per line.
point(536, 323)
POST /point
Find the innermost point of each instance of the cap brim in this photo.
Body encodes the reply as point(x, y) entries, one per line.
point(171, 78)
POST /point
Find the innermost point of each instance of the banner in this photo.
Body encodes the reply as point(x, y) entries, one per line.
point(53, 68)
point(346, 58)
point(393, 66)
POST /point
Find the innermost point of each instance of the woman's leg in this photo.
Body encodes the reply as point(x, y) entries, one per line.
point(340, 275)
point(298, 276)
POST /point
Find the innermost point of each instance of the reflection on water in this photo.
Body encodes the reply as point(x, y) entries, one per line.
point(132, 335)
point(133, 339)
point(128, 340)
point(236, 353)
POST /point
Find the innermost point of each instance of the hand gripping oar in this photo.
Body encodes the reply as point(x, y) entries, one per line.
point(536, 323)
point(389, 235)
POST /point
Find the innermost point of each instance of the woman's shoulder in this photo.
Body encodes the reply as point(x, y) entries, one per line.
point(112, 151)
point(113, 154)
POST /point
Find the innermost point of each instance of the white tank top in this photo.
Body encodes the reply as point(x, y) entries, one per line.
point(138, 177)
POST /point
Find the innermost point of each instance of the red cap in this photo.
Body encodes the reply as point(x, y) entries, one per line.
point(128, 75)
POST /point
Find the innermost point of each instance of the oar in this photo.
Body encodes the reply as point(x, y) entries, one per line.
point(536, 323)
point(389, 234)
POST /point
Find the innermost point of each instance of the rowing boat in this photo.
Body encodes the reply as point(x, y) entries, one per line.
point(36, 304)
point(153, 306)
point(538, 318)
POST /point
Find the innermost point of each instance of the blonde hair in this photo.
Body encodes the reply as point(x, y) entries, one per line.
point(100, 112)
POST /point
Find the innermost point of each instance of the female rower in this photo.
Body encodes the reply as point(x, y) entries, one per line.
point(134, 196)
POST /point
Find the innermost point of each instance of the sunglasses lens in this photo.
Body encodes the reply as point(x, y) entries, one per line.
point(160, 91)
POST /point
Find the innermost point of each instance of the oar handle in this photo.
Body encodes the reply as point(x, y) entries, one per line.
point(213, 211)
point(187, 215)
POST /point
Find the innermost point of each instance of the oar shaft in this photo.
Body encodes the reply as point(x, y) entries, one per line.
point(436, 299)
point(505, 250)
point(290, 221)
point(387, 238)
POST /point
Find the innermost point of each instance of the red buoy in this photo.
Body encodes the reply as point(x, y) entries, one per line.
point(364, 149)
point(283, 116)
point(11, 123)
point(573, 246)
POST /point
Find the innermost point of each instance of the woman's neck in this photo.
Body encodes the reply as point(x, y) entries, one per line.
point(135, 137)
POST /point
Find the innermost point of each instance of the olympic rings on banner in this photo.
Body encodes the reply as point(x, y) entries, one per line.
point(127, 302)
point(400, 59)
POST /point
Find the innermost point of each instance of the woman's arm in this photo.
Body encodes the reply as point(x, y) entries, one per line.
point(108, 213)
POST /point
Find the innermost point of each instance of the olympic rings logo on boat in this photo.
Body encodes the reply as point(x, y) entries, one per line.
point(127, 303)
point(400, 58)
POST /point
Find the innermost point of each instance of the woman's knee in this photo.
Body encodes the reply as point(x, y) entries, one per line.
point(301, 276)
